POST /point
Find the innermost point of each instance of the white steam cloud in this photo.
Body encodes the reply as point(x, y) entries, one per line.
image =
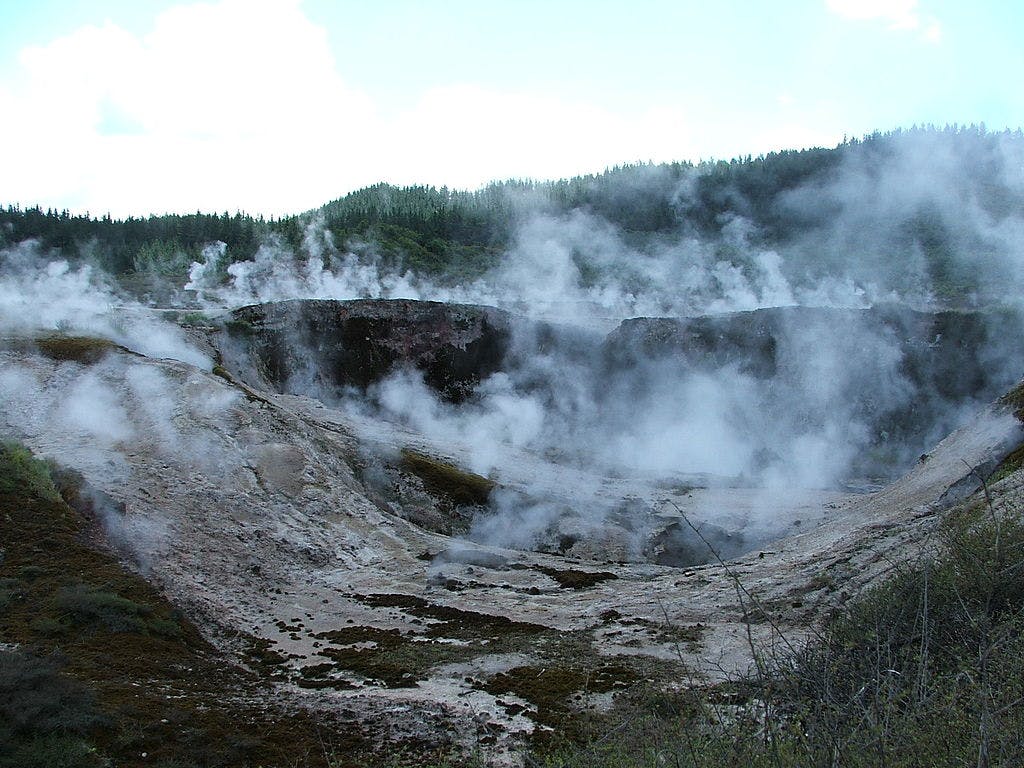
point(575, 266)
point(43, 294)
point(829, 403)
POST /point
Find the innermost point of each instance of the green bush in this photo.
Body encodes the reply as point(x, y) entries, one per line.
point(46, 626)
point(87, 606)
point(30, 572)
point(23, 475)
point(51, 751)
point(11, 590)
point(36, 699)
point(194, 319)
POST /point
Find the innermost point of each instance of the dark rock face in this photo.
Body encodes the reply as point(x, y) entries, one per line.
point(679, 546)
point(295, 344)
point(903, 376)
point(955, 352)
point(746, 339)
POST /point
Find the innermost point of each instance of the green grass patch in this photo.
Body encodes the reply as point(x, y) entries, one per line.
point(1015, 399)
point(1012, 463)
point(21, 474)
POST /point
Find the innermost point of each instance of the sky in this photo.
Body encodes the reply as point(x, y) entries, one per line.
point(273, 107)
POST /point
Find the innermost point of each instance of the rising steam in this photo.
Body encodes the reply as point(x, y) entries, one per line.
point(576, 397)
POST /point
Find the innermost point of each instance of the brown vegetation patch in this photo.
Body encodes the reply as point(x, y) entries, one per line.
point(80, 349)
point(447, 481)
point(452, 622)
point(558, 694)
point(574, 579)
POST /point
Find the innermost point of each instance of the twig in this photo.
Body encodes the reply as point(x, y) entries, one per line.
point(741, 590)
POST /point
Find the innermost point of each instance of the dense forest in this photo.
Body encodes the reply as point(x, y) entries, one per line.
point(944, 195)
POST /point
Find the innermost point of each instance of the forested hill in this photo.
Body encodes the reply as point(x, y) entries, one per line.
point(921, 191)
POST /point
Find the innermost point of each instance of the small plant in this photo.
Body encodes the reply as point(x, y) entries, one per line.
point(11, 590)
point(220, 370)
point(87, 606)
point(23, 475)
point(1012, 463)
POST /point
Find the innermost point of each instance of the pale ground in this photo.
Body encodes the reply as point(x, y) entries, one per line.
point(245, 509)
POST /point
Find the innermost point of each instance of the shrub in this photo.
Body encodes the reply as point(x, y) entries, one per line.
point(11, 590)
point(37, 701)
point(194, 319)
point(88, 606)
point(46, 626)
point(23, 475)
point(51, 751)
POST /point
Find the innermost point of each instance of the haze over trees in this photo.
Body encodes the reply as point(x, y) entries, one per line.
point(921, 204)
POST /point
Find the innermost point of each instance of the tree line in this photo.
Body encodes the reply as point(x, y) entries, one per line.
point(458, 233)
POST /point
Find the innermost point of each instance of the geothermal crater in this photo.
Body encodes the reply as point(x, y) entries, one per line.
point(448, 523)
point(668, 440)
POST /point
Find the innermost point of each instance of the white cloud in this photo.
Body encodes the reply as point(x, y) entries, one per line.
point(467, 135)
point(238, 104)
point(900, 15)
point(932, 30)
point(220, 106)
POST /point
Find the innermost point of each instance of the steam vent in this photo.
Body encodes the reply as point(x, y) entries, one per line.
point(453, 526)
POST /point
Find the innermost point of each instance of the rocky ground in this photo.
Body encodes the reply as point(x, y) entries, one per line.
point(282, 528)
